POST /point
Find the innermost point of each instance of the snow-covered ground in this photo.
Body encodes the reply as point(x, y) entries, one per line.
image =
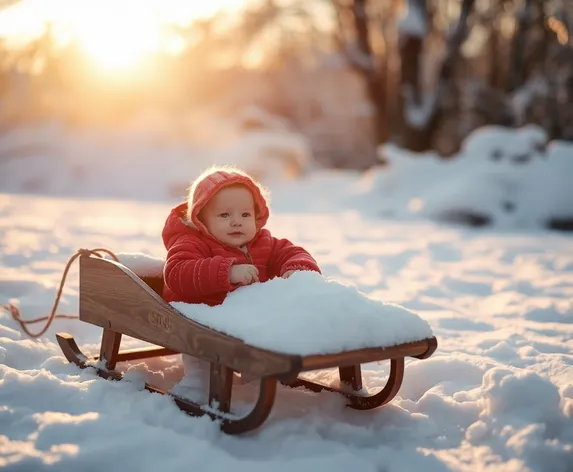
point(496, 395)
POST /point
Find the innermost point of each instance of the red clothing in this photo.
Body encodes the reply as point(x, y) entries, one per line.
point(197, 266)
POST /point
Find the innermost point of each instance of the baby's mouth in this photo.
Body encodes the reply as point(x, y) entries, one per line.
point(236, 233)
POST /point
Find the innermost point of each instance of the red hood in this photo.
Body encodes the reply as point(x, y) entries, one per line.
point(175, 226)
point(211, 182)
point(203, 190)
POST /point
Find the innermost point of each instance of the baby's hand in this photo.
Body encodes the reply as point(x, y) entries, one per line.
point(243, 274)
point(287, 274)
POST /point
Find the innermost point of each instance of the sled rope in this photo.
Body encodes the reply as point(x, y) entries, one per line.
point(15, 311)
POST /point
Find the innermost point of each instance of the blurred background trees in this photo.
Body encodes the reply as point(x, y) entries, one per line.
point(347, 74)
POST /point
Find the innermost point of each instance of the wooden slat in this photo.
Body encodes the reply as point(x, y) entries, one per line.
point(432, 346)
point(387, 393)
point(362, 356)
point(220, 387)
point(351, 375)
point(355, 399)
point(109, 348)
point(112, 297)
point(142, 353)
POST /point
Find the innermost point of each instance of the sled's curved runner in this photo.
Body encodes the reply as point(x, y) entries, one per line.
point(121, 302)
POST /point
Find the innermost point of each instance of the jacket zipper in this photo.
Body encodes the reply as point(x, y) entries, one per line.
point(248, 256)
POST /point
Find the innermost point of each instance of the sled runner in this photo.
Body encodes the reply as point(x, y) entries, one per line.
point(123, 303)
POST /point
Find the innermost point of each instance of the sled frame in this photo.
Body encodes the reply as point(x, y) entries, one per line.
point(122, 303)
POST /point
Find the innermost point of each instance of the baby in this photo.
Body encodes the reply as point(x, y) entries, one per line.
point(216, 242)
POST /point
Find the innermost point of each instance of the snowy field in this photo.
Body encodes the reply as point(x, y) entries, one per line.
point(496, 395)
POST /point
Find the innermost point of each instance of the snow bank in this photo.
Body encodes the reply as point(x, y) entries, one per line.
point(505, 177)
point(522, 411)
point(309, 314)
point(23, 140)
point(125, 164)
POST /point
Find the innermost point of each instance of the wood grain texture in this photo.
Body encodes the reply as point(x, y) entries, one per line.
point(109, 348)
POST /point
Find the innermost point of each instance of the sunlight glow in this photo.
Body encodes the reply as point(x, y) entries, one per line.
point(115, 35)
point(559, 29)
point(116, 42)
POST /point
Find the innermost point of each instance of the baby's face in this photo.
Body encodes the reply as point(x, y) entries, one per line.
point(230, 216)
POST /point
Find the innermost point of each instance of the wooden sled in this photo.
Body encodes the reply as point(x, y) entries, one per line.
point(113, 297)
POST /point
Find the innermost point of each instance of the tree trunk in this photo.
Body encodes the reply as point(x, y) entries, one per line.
point(412, 32)
point(423, 116)
point(517, 68)
point(373, 76)
point(493, 45)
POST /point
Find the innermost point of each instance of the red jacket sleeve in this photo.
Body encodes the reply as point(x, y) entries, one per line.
point(286, 256)
point(190, 271)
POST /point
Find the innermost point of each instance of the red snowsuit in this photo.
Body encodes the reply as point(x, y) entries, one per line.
point(197, 266)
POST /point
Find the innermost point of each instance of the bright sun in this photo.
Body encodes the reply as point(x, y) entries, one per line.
point(116, 42)
point(117, 49)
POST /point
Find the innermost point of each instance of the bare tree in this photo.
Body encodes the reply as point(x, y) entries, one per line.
point(358, 50)
point(415, 106)
point(422, 112)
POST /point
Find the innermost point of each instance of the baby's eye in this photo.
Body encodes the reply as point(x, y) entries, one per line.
point(246, 214)
point(224, 215)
